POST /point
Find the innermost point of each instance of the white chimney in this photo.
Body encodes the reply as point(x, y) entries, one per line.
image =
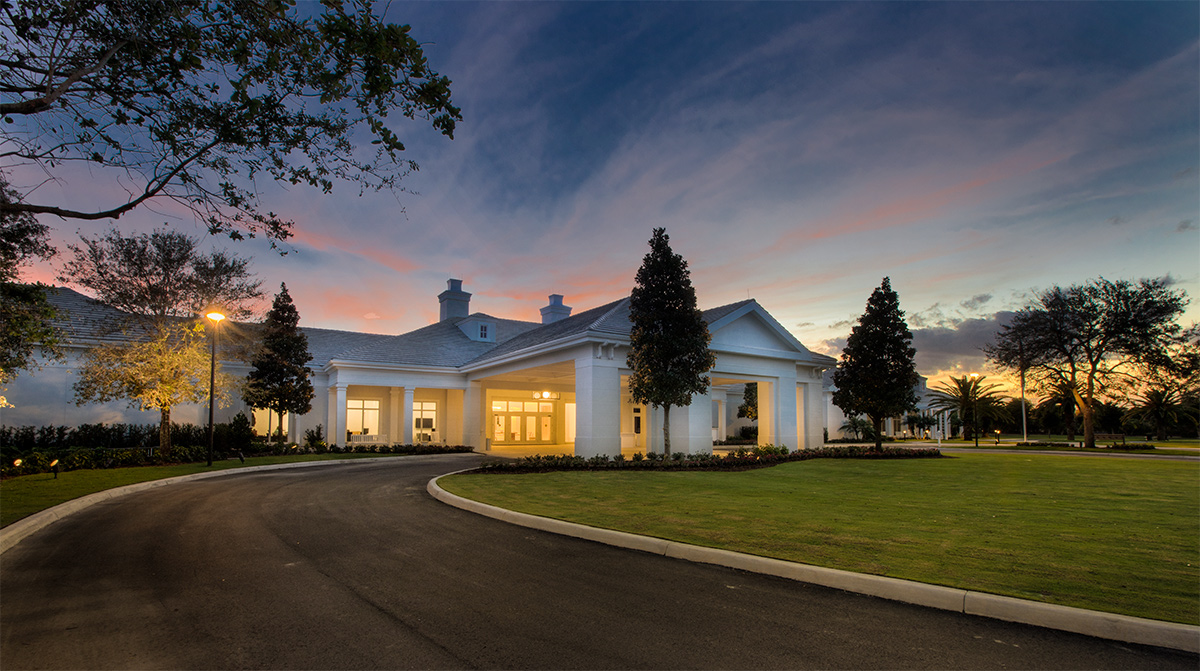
point(555, 311)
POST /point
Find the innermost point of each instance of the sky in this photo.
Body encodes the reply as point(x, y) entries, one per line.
point(796, 153)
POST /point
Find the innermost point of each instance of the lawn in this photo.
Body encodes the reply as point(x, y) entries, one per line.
point(1117, 535)
point(23, 496)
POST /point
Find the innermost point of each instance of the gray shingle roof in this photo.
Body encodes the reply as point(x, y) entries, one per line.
point(438, 345)
point(442, 344)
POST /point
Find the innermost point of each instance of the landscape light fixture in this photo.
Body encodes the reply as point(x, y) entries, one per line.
point(217, 317)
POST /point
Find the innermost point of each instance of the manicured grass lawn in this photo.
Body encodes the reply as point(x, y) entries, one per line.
point(23, 496)
point(1117, 535)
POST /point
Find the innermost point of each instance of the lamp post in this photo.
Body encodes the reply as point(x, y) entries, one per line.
point(975, 397)
point(212, 377)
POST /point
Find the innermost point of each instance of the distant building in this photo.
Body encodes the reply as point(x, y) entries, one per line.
point(893, 426)
point(556, 385)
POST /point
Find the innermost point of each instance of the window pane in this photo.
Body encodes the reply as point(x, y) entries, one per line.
point(545, 407)
point(354, 404)
point(530, 428)
point(531, 406)
point(498, 429)
point(499, 406)
point(545, 428)
point(371, 404)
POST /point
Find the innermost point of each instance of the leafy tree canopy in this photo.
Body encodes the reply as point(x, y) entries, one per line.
point(191, 101)
point(668, 351)
point(877, 373)
point(25, 313)
point(162, 282)
point(1086, 337)
point(157, 276)
point(749, 406)
point(973, 400)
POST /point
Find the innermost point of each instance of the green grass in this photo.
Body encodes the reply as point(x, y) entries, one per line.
point(23, 496)
point(1117, 535)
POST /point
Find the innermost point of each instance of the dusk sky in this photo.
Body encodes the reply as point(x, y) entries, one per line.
point(796, 153)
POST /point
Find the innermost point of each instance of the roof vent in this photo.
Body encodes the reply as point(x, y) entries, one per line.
point(455, 303)
point(555, 311)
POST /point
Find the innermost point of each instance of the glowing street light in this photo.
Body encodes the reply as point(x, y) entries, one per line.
point(217, 317)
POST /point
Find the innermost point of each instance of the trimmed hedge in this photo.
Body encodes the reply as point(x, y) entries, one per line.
point(740, 460)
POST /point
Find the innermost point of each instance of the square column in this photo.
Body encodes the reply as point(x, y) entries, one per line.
point(598, 407)
point(337, 415)
point(691, 426)
point(786, 430)
point(406, 420)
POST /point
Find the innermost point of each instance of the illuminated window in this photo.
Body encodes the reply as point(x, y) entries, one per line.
point(362, 416)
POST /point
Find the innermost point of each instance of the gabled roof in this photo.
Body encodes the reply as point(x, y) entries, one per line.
point(82, 320)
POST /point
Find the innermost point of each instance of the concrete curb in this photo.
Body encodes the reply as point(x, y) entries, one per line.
point(14, 533)
point(1077, 620)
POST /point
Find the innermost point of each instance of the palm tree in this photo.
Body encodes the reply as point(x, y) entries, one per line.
point(971, 399)
point(859, 426)
point(1061, 402)
point(1161, 408)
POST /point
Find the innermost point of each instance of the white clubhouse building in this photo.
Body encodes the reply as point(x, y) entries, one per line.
point(558, 385)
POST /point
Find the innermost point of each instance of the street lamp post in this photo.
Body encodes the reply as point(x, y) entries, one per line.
point(212, 378)
point(975, 398)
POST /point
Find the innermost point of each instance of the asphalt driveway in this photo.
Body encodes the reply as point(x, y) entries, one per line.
point(354, 565)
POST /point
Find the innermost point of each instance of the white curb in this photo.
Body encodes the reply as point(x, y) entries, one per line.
point(1064, 618)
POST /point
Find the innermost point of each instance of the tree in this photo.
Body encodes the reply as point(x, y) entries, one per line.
point(280, 379)
point(161, 282)
point(156, 373)
point(668, 346)
point(1167, 380)
point(1087, 336)
point(971, 399)
point(877, 373)
point(749, 406)
point(25, 313)
point(192, 101)
point(859, 427)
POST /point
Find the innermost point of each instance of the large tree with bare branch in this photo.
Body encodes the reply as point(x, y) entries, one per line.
point(192, 101)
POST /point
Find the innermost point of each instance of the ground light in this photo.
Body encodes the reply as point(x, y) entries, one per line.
point(217, 317)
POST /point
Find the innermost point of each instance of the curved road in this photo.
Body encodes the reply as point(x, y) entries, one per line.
point(355, 566)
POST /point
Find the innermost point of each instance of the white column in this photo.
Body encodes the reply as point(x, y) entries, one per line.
point(394, 433)
point(597, 407)
point(406, 413)
point(699, 425)
point(785, 407)
point(337, 433)
point(722, 413)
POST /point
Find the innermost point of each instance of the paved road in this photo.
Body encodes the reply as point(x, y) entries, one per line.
point(355, 566)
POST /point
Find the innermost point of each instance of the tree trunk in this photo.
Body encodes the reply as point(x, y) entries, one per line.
point(164, 430)
point(281, 436)
point(667, 430)
point(878, 422)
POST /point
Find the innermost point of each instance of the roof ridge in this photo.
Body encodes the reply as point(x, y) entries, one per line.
point(616, 305)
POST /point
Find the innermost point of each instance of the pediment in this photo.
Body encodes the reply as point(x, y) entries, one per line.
point(754, 331)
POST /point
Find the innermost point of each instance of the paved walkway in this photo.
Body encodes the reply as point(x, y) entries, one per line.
point(354, 565)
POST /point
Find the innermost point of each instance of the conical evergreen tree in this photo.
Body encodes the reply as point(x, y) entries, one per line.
point(668, 351)
point(280, 379)
point(877, 374)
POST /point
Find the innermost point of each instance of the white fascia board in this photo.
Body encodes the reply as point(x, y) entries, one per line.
point(394, 367)
point(761, 352)
point(587, 337)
